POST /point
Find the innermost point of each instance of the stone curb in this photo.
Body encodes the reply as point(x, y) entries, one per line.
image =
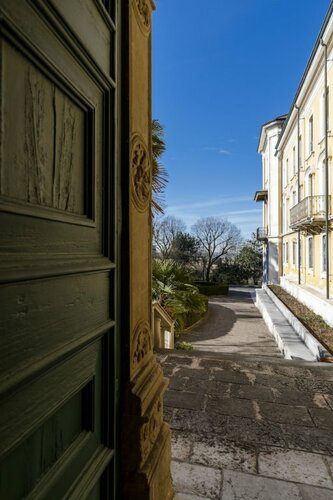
point(288, 341)
point(317, 349)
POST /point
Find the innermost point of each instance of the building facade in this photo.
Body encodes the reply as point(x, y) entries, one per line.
point(298, 202)
point(269, 233)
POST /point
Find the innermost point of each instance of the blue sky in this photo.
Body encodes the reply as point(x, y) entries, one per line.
point(221, 68)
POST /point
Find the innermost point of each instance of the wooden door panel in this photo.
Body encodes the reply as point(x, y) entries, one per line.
point(57, 274)
point(39, 324)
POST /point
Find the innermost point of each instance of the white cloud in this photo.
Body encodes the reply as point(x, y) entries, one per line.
point(209, 203)
point(224, 152)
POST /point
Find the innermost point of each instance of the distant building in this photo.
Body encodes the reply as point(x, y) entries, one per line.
point(270, 194)
point(298, 185)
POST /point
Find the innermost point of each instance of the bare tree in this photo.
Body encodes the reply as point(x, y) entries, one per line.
point(165, 231)
point(218, 237)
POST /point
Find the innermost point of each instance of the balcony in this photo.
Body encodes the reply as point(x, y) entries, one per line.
point(261, 195)
point(262, 234)
point(309, 215)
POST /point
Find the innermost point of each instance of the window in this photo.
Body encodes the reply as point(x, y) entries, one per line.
point(287, 257)
point(287, 171)
point(284, 174)
point(310, 252)
point(328, 108)
point(300, 149)
point(294, 160)
point(294, 252)
point(310, 132)
point(323, 252)
point(322, 113)
point(300, 252)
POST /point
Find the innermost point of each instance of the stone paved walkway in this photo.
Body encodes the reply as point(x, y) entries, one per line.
point(249, 428)
point(233, 325)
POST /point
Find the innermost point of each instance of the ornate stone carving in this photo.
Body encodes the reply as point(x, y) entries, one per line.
point(141, 343)
point(151, 429)
point(143, 14)
point(141, 174)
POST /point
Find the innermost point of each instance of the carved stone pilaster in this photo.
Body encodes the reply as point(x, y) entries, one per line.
point(146, 447)
point(142, 10)
point(140, 173)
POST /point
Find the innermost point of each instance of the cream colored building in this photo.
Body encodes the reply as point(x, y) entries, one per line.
point(298, 185)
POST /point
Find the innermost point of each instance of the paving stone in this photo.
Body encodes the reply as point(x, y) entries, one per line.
point(198, 422)
point(234, 406)
point(182, 399)
point(184, 496)
point(307, 438)
point(196, 479)
point(257, 392)
point(167, 413)
point(214, 387)
point(314, 493)
point(322, 417)
point(193, 374)
point(293, 397)
point(181, 446)
point(241, 486)
point(292, 465)
point(247, 430)
point(319, 401)
point(285, 414)
point(329, 462)
point(234, 377)
point(329, 400)
point(315, 385)
point(224, 455)
point(179, 360)
point(280, 382)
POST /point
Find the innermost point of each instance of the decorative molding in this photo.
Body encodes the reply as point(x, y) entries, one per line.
point(143, 14)
point(142, 345)
point(140, 173)
point(151, 429)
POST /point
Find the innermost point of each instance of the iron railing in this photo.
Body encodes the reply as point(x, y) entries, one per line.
point(311, 209)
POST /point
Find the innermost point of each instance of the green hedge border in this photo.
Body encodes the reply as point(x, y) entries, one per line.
point(208, 289)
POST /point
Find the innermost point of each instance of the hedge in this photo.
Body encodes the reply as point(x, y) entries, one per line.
point(211, 288)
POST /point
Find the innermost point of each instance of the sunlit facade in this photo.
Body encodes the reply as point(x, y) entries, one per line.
point(298, 180)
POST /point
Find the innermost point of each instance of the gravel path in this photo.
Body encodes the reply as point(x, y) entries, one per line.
point(233, 325)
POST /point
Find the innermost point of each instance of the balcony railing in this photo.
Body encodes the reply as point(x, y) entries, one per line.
point(309, 214)
point(262, 234)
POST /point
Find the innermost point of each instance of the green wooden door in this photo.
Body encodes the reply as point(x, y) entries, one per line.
point(57, 232)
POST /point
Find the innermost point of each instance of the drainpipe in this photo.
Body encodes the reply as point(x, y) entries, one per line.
point(326, 174)
point(298, 196)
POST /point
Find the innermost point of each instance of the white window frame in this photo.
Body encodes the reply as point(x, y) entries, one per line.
point(323, 255)
point(294, 160)
point(322, 115)
point(310, 135)
point(309, 268)
point(294, 253)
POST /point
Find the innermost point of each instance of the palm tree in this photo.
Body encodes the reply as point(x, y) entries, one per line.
point(159, 173)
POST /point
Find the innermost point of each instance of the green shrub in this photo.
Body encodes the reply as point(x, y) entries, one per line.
point(210, 288)
point(185, 346)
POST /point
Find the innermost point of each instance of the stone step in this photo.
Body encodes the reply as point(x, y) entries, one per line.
point(288, 341)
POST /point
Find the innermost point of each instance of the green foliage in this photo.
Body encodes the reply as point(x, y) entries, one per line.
point(159, 173)
point(185, 248)
point(244, 267)
point(171, 288)
point(185, 346)
point(210, 288)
